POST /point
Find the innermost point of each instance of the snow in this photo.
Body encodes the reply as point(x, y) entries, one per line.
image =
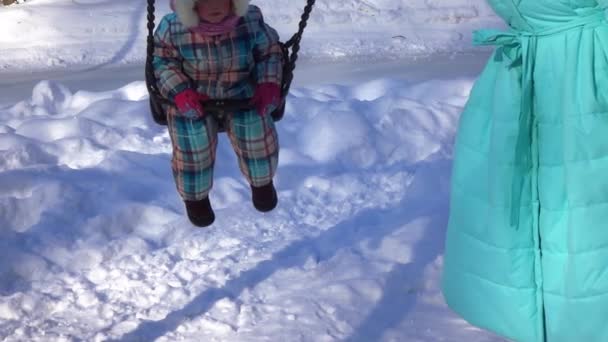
point(96, 33)
point(94, 242)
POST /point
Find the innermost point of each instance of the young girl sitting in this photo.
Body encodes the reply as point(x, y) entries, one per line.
point(219, 49)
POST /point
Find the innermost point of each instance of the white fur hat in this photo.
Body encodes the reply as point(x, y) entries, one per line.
point(186, 14)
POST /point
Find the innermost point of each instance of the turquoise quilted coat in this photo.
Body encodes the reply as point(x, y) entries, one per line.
point(527, 243)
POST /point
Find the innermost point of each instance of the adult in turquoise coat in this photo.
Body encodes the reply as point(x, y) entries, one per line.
point(527, 244)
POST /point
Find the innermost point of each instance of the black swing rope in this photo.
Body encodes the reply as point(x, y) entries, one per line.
point(218, 107)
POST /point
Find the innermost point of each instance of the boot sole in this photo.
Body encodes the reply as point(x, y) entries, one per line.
point(265, 207)
point(202, 222)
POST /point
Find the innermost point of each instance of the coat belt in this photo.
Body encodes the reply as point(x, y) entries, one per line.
point(520, 48)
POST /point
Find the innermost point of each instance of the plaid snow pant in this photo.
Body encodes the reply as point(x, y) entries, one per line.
point(253, 138)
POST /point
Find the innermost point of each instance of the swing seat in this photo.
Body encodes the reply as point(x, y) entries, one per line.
point(218, 108)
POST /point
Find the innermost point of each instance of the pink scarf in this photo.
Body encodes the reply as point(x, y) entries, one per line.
point(210, 29)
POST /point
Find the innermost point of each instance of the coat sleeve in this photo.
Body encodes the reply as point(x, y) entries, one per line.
point(267, 55)
point(167, 62)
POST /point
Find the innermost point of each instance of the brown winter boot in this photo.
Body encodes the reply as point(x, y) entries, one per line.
point(264, 197)
point(200, 212)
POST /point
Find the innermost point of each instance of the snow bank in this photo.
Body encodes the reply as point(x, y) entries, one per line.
point(94, 244)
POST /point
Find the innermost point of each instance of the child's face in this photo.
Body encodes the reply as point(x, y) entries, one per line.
point(214, 11)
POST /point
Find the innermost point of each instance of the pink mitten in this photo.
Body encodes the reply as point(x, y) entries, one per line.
point(266, 97)
point(188, 103)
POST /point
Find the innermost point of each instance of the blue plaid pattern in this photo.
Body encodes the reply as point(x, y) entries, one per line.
point(255, 140)
point(223, 66)
point(253, 137)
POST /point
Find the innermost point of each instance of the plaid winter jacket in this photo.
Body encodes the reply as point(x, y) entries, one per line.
point(223, 66)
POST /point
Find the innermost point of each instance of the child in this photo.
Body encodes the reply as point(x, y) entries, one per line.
point(219, 49)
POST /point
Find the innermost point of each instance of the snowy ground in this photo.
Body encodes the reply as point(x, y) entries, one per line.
point(94, 245)
point(42, 34)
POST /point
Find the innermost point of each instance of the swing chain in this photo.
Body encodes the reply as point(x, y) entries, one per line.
point(294, 44)
point(150, 77)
